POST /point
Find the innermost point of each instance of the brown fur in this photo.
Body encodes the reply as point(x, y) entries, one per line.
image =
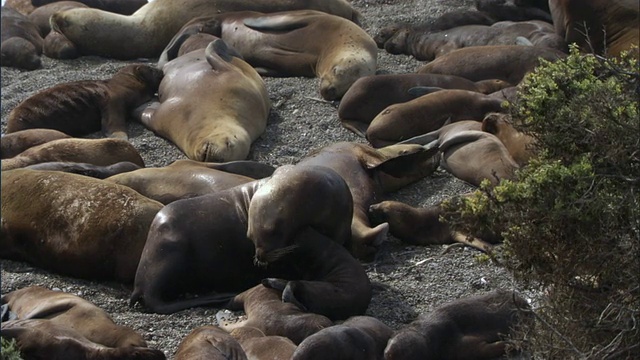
point(520, 145)
point(15, 143)
point(40, 16)
point(124, 7)
point(21, 41)
point(257, 346)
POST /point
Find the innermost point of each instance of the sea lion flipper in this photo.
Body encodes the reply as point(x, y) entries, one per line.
point(114, 120)
point(288, 296)
point(418, 91)
point(219, 50)
point(284, 22)
point(171, 51)
point(273, 283)
point(357, 127)
point(423, 139)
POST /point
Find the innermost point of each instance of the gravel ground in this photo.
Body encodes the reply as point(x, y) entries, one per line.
point(408, 280)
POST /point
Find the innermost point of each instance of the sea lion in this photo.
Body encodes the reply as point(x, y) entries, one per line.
point(209, 343)
point(369, 95)
point(427, 113)
point(257, 346)
point(21, 43)
point(94, 171)
point(184, 179)
point(358, 338)
point(470, 328)
point(525, 10)
point(505, 62)
point(22, 6)
point(268, 313)
point(69, 310)
point(124, 7)
point(94, 229)
point(101, 152)
point(83, 107)
point(281, 44)
point(520, 145)
point(212, 105)
point(149, 30)
point(40, 16)
point(19, 141)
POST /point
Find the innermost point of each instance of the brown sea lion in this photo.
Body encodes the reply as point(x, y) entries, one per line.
point(124, 7)
point(427, 113)
point(69, 310)
point(257, 346)
point(470, 328)
point(369, 95)
point(212, 105)
point(21, 43)
point(267, 312)
point(83, 107)
point(22, 6)
point(43, 339)
point(209, 343)
point(358, 338)
point(94, 171)
point(94, 229)
point(505, 62)
point(525, 10)
point(149, 30)
point(40, 16)
point(57, 46)
point(520, 145)
point(101, 152)
point(19, 141)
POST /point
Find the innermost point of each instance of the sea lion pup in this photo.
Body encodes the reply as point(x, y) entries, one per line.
point(421, 226)
point(69, 310)
point(520, 145)
point(124, 7)
point(83, 107)
point(19, 141)
point(369, 95)
point(21, 43)
point(427, 113)
point(370, 172)
point(40, 16)
point(257, 346)
point(268, 313)
point(184, 179)
point(212, 105)
point(78, 237)
point(505, 62)
point(358, 338)
point(470, 328)
point(101, 152)
point(209, 343)
point(147, 31)
point(94, 171)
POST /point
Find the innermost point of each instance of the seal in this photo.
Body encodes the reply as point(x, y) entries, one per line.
point(124, 7)
point(369, 95)
point(184, 179)
point(520, 145)
point(209, 342)
point(211, 105)
point(85, 213)
point(94, 171)
point(40, 16)
point(64, 309)
point(147, 31)
point(468, 328)
point(19, 141)
point(258, 346)
point(285, 44)
point(359, 337)
point(267, 312)
point(101, 152)
point(22, 6)
point(21, 43)
point(427, 113)
point(505, 62)
point(83, 107)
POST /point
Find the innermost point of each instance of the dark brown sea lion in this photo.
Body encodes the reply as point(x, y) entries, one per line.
point(257, 346)
point(101, 152)
point(358, 338)
point(148, 30)
point(43, 339)
point(505, 62)
point(470, 328)
point(369, 95)
point(21, 43)
point(94, 171)
point(94, 229)
point(124, 7)
point(520, 145)
point(427, 113)
point(267, 312)
point(209, 343)
point(69, 310)
point(19, 141)
point(83, 107)
point(212, 105)
point(40, 16)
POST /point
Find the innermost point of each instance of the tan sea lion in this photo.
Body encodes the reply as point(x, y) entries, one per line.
point(475, 327)
point(124, 7)
point(94, 171)
point(257, 346)
point(212, 105)
point(505, 62)
point(94, 229)
point(427, 113)
point(21, 43)
point(369, 95)
point(149, 30)
point(100, 152)
point(40, 16)
point(66, 309)
point(19, 141)
point(83, 107)
point(520, 145)
point(209, 343)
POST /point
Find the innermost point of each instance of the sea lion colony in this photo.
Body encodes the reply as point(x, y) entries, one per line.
point(301, 284)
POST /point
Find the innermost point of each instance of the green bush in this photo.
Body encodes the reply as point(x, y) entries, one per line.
point(10, 350)
point(571, 219)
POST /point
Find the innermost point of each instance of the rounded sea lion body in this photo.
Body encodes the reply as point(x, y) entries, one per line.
point(21, 43)
point(40, 16)
point(94, 171)
point(83, 107)
point(257, 346)
point(15, 143)
point(78, 238)
point(149, 30)
point(209, 343)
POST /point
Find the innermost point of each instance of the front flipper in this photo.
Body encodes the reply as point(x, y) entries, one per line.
point(284, 22)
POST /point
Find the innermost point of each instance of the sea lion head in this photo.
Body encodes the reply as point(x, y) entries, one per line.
point(346, 68)
point(20, 53)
